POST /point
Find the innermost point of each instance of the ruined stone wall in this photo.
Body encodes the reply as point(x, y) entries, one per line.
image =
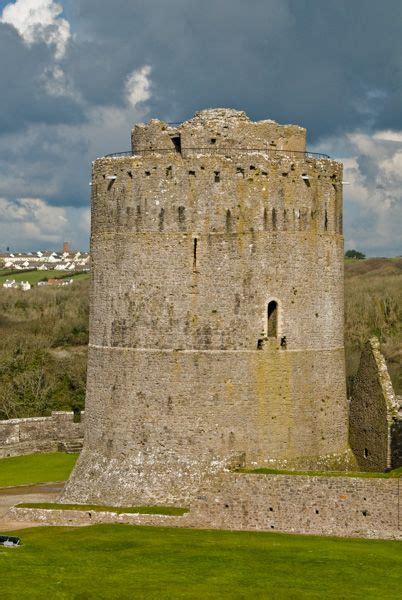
point(375, 427)
point(212, 130)
point(41, 434)
point(187, 251)
point(342, 506)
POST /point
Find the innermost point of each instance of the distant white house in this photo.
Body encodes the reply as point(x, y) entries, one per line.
point(22, 285)
point(10, 283)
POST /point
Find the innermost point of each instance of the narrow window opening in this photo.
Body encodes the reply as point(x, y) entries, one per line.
point(228, 221)
point(272, 318)
point(366, 452)
point(285, 219)
point(213, 140)
point(217, 176)
point(176, 140)
point(182, 214)
point(317, 512)
point(265, 219)
point(195, 242)
point(326, 220)
point(77, 415)
point(274, 222)
point(161, 219)
point(169, 172)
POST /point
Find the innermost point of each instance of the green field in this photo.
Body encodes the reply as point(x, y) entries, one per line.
point(173, 511)
point(36, 468)
point(128, 562)
point(34, 276)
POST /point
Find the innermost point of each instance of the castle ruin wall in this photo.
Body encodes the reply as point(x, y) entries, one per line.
point(375, 425)
point(41, 434)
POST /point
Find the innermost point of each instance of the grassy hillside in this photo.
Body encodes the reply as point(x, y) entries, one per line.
point(44, 332)
point(43, 337)
point(373, 306)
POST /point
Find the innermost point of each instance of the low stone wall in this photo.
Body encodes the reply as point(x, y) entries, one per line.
point(339, 506)
point(78, 518)
point(41, 434)
point(336, 506)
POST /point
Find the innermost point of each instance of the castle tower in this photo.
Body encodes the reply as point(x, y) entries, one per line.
point(216, 322)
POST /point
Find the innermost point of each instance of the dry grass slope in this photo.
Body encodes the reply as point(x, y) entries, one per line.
point(373, 306)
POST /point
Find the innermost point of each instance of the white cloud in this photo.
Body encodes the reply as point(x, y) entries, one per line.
point(53, 162)
point(388, 135)
point(372, 165)
point(373, 201)
point(138, 86)
point(39, 21)
point(57, 84)
point(37, 222)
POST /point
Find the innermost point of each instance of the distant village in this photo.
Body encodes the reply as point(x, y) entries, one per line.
point(66, 262)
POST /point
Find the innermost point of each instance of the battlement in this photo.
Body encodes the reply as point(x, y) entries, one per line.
point(218, 130)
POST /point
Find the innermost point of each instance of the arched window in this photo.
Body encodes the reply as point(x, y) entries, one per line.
point(272, 319)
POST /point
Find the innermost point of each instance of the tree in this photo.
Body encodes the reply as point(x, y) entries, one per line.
point(355, 254)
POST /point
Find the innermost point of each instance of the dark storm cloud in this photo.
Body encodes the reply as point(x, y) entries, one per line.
point(24, 99)
point(328, 65)
point(333, 66)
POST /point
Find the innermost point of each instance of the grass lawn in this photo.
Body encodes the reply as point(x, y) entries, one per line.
point(263, 471)
point(34, 276)
point(144, 510)
point(123, 561)
point(36, 468)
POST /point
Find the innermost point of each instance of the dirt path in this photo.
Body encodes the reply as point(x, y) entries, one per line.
point(42, 492)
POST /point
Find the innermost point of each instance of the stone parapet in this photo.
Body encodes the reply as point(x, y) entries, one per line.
point(41, 434)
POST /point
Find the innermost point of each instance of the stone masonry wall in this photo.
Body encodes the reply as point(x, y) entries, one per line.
point(41, 434)
point(342, 506)
point(375, 426)
point(188, 249)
